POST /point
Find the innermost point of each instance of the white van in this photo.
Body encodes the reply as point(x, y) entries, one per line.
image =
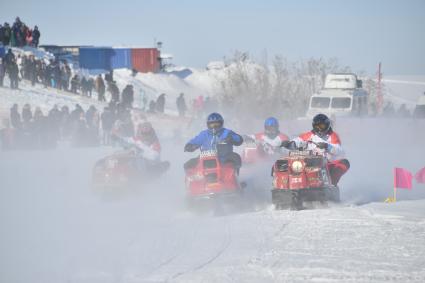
point(342, 95)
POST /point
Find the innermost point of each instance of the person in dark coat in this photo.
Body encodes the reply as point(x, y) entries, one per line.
point(32, 70)
point(128, 96)
point(1, 33)
point(152, 107)
point(83, 86)
point(75, 84)
point(9, 58)
point(108, 120)
point(15, 117)
point(160, 103)
point(7, 32)
point(181, 105)
point(114, 91)
point(90, 86)
point(2, 72)
point(35, 36)
point(13, 71)
point(26, 114)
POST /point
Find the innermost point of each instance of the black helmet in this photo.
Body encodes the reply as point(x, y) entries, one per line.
point(321, 124)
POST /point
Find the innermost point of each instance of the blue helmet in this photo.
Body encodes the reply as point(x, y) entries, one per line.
point(215, 121)
point(271, 127)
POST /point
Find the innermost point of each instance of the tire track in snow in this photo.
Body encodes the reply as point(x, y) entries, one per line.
point(224, 246)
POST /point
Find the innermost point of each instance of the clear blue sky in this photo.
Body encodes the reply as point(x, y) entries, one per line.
point(360, 33)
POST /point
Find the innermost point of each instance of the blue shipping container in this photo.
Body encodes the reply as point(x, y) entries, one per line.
point(98, 58)
point(121, 58)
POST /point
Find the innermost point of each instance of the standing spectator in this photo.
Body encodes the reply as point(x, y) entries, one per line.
point(128, 96)
point(15, 118)
point(152, 107)
point(76, 113)
point(39, 129)
point(83, 86)
point(181, 105)
point(28, 37)
point(108, 120)
point(13, 71)
point(64, 78)
point(1, 33)
point(35, 36)
point(26, 114)
point(46, 74)
point(2, 71)
point(7, 136)
point(8, 58)
point(160, 103)
point(65, 122)
point(17, 36)
point(56, 75)
point(75, 84)
point(198, 106)
point(90, 86)
point(7, 32)
point(100, 88)
point(114, 91)
point(53, 120)
point(32, 70)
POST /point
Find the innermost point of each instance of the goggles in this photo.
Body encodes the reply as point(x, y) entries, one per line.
point(320, 127)
point(214, 125)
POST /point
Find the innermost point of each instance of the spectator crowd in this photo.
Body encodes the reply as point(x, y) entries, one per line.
point(19, 34)
point(30, 128)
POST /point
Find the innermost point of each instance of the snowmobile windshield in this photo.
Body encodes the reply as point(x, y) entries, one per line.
point(320, 102)
point(341, 102)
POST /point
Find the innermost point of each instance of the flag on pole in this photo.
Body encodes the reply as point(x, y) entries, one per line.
point(402, 179)
point(420, 176)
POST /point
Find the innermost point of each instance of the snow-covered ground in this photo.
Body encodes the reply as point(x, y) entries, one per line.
point(55, 228)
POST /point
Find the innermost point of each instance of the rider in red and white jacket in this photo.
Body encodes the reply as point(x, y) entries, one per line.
point(324, 140)
point(271, 139)
point(147, 141)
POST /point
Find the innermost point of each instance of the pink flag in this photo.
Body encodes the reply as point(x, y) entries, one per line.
point(420, 176)
point(402, 179)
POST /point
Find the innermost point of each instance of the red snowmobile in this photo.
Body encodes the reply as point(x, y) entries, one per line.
point(125, 169)
point(301, 177)
point(211, 180)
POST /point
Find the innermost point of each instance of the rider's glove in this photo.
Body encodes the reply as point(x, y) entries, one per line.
point(190, 147)
point(248, 139)
point(322, 145)
point(287, 144)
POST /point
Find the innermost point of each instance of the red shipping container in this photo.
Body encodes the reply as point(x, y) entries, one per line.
point(145, 60)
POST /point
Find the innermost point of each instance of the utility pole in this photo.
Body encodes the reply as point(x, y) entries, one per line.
point(379, 97)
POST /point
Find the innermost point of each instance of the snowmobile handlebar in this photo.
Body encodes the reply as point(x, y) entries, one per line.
point(291, 145)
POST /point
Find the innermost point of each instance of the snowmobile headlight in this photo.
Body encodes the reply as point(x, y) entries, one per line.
point(297, 166)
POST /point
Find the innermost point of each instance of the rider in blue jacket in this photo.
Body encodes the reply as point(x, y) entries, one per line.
point(216, 138)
